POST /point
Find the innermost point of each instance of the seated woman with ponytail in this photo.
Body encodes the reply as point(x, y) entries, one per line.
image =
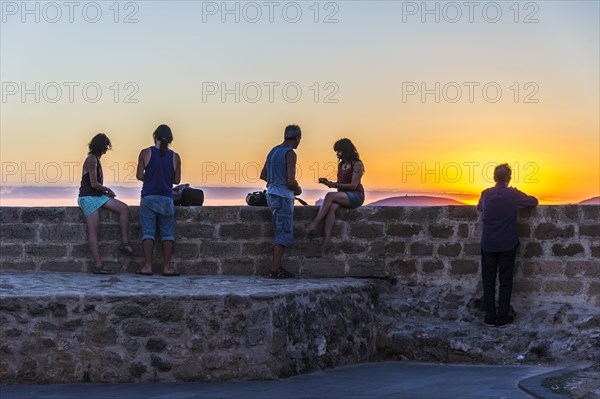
point(159, 168)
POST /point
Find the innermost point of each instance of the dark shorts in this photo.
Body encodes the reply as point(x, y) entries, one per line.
point(283, 219)
point(356, 199)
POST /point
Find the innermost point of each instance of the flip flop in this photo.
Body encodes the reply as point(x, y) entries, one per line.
point(127, 249)
point(141, 273)
point(174, 274)
point(102, 270)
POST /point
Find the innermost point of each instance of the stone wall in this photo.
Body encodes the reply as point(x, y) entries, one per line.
point(433, 246)
point(65, 328)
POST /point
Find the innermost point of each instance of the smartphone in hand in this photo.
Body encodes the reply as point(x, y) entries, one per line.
point(323, 180)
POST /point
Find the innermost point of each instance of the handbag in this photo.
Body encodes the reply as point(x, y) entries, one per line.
point(257, 198)
point(184, 195)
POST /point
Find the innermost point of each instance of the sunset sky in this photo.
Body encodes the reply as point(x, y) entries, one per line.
point(433, 94)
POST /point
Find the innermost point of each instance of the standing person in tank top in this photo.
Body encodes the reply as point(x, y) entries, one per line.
point(350, 194)
point(280, 174)
point(93, 196)
point(159, 168)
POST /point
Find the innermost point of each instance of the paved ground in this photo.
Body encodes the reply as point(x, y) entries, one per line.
point(388, 380)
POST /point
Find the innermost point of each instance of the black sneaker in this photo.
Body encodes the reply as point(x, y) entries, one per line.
point(281, 274)
point(506, 322)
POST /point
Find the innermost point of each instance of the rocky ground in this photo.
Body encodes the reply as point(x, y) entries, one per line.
point(581, 384)
point(439, 324)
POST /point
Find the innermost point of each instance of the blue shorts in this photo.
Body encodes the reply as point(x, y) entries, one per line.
point(91, 204)
point(355, 198)
point(283, 219)
point(161, 208)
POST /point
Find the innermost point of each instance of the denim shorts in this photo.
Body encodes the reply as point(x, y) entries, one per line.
point(159, 208)
point(355, 198)
point(283, 219)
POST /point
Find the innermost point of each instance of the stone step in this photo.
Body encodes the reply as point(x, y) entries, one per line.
point(76, 327)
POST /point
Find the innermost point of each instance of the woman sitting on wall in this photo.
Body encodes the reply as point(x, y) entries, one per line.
point(350, 194)
point(93, 196)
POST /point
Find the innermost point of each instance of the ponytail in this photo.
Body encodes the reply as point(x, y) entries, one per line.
point(165, 137)
point(164, 146)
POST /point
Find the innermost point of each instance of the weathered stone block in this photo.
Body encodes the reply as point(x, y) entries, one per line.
point(403, 267)
point(403, 230)
point(185, 250)
point(463, 230)
point(241, 231)
point(579, 268)
point(11, 251)
point(194, 231)
point(590, 230)
point(529, 212)
point(388, 214)
point(395, 248)
point(564, 287)
point(572, 212)
point(46, 251)
point(366, 268)
point(43, 215)
point(464, 267)
point(62, 266)
point(160, 364)
point(541, 268)
point(260, 248)
point(220, 249)
point(421, 249)
point(472, 249)
point(567, 250)
point(596, 252)
point(156, 345)
point(367, 230)
point(322, 268)
point(549, 231)
point(441, 231)
point(18, 233)
point(591, 212)
point(138, 328)
point(349, 247)
point(526, 285)
point(198, 267)
point(9, 215)
point(594, 289)
point(451, 250)
point(239, 267)
point(17, 265)
point(523, 230)
point(463, 212)
point(425, 214)
point(533, 249)
point(431, 266)
point(254, 214)
point(219, 214)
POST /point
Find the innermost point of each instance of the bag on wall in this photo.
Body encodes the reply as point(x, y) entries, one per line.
point(257, 198)
point(184, 195)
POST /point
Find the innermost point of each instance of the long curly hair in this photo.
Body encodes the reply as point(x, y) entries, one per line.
point(99, 145)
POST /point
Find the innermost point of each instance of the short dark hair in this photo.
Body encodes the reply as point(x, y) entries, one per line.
point(292, 132)
point(99, 144)
point(502, 173)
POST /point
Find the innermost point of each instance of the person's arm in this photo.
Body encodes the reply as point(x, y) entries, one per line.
point(141, 166)
point(177, 165)
point(290, 160)
point(526, 200)
point(263, 173)
point(480, 203)
point(91, 164)
point(357, 172)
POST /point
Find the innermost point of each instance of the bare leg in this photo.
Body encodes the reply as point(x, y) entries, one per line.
point(338, 198)
point(148, 249)
point(123, 210)
point(167, 252)
point(93, 225)
point(278, 251)
point(329, 222)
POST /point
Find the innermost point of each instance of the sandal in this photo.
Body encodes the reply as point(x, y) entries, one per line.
point(281, 274)
point(127, 249)
point(102, 270)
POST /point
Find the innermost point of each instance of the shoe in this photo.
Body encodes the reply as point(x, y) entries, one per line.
point(325, 247)
point(173, 274)
point(310, 232)
point(141, 273)
point(281, 274)
point(490, 324)
point(102, 270)
point(507, 322)
point(127, 249)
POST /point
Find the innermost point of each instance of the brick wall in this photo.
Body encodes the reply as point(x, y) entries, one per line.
point(433, 246)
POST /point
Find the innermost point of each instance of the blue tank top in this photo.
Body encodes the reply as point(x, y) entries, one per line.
point(277, 181)
point(159, 174)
